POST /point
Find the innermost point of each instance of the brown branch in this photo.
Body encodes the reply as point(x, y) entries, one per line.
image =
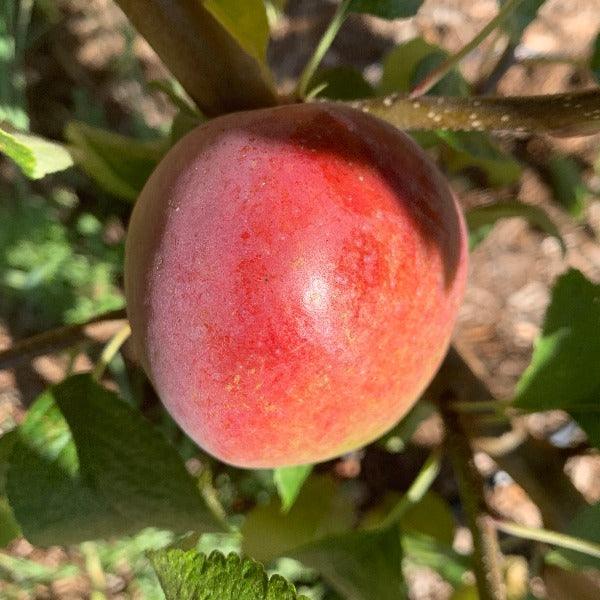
point(54, 340)
point(486, 551)
point(535, 465)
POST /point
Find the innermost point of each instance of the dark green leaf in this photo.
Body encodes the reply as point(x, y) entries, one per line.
point(35, 156)
point(322, 508)
point(595, 59)
point(424, 550)
point(246, 21)
point(568, 187)
point(397, 438)
point(585, 525)
point(481, 219)
point(118, 164)
point(194, 576)
point(9, 529)
point(520, 17)
point(564, 371)
point(289, 481)
point(359, 565)
point(341, 83)
point(86, 465)
point(409, 63)
point(474, 150)
point(386, 9)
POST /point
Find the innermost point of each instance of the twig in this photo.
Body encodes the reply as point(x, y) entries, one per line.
point(486, 551)
point(437, 74)
point(548, 537)
point(111, 348)
point(53, 340)
point(315, 60)
point(505, 62)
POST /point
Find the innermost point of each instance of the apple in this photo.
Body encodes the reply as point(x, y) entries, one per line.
point(292, 277)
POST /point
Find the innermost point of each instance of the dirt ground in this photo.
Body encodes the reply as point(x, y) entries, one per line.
point(511, 272)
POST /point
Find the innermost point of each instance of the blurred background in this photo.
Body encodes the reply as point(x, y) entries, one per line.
point(61, 243)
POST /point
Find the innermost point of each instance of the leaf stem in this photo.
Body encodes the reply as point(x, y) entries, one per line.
point(486, 551)
point(437, 74)
point(315, 60)
point(548, 537)
point(110, 350)
point(53, 340)
point(419, 487)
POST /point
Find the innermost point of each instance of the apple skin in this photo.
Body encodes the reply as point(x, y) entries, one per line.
point(292, 277)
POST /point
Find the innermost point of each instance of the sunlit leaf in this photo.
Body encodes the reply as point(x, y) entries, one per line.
point(35, 156)
point(289, 481)
point(194, 576)
point(564, 372)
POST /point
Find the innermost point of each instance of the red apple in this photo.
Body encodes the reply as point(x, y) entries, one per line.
point(293, 276)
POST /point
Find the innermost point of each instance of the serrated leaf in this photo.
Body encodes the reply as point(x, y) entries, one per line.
point(246, 21)
point(321, 508)
point(563, 373)
point(409, 63)
point(341, 83)
point(568, 187)
point(595, 58)
point(194, 576)
point(560, 114)
point(35, 156)
point(86, 465)
point(359, 565)
point(481, 219)
point(289, 481)
point(118, 164)
point(386, 9)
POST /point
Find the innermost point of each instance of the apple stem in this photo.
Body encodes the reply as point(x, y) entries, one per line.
point(486, 551)
point(315, 60)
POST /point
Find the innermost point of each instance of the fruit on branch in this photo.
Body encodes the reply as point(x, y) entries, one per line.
point(293, 276)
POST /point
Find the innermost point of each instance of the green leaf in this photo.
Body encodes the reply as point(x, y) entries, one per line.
point(568, 187)
point(289, 481)
point(86, 465)
point(246, 21)
point(118, 164)
point(9, 528)
point(520, 17)
point(386, 9)
point(35, 156)
point(482, 218)
point(322, 508)
point(408, 63)
point(341, 83)
point(563, 373)
point(595, 59)
point(359, 565)
point(397, 438)
point(421, 549)
point(475, 150)
point(194, 576)
point(585, 525)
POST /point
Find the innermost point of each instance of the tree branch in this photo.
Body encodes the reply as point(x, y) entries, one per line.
point(54, 340)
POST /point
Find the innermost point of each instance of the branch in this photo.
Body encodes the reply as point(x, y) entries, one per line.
point(212, 68)
point(54, 340)
point(535, 465)
point(486, 551)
